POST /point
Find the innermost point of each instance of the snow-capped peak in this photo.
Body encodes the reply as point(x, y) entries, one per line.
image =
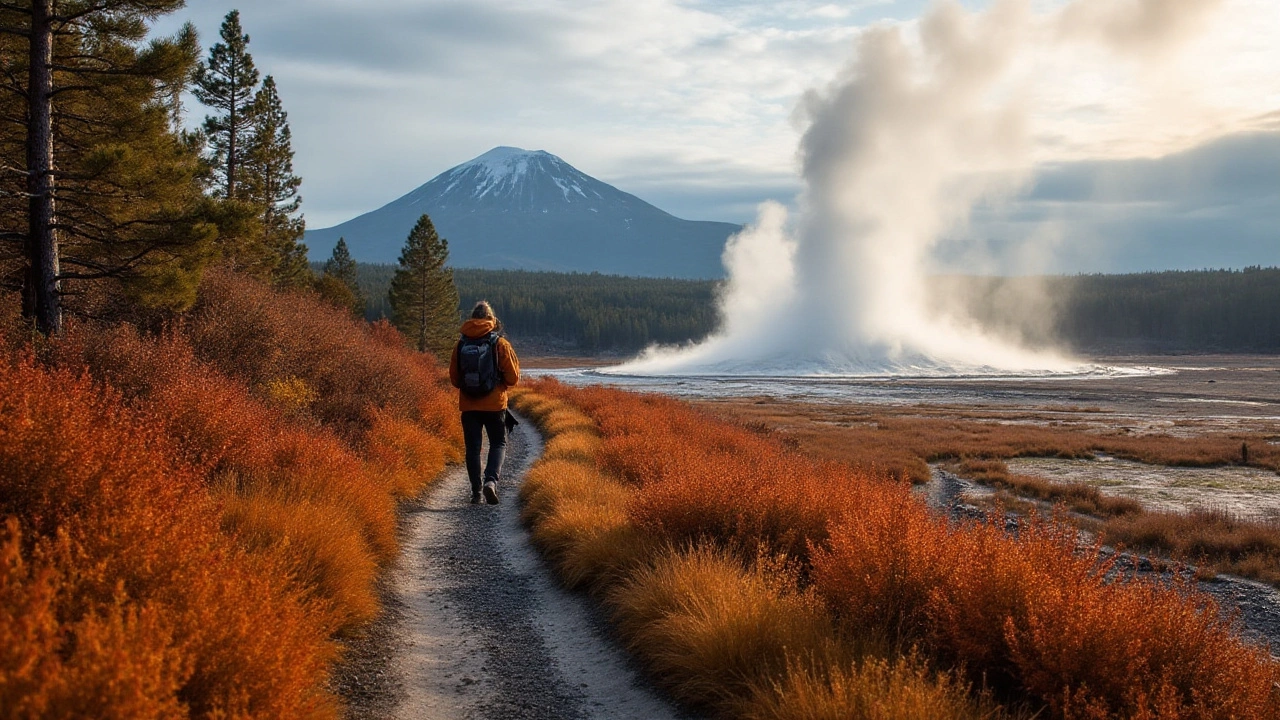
point(507, 171)
point(506, 164)
point(490, 172)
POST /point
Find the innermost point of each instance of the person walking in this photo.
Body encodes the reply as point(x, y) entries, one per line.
point(483, 366)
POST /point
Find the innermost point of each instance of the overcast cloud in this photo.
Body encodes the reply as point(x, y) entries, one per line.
point(690, 105)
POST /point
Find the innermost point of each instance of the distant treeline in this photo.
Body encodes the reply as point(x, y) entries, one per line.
point(1176, 311)
point(1192, 311)
point(585, 313)
point(1157, 312)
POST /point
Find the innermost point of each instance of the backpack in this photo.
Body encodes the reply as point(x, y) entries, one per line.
point(478, 364)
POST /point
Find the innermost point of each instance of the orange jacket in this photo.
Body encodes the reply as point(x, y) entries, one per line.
point(508, 367)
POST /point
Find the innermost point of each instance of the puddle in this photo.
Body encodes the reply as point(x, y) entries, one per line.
point(1248, 493)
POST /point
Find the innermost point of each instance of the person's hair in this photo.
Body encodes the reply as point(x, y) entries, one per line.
point(483, 311)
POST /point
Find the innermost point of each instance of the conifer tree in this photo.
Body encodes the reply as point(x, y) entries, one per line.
point(227, 83)
point(341, 265)
point(342, 270)
point(423, 297)
point(106, 189)
point(268, 183)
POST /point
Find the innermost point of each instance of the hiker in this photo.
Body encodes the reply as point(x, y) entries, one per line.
point(483, 366)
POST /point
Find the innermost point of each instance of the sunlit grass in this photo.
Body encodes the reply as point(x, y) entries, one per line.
point(861, 568)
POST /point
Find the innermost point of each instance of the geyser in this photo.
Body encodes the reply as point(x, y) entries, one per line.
point(912, 135)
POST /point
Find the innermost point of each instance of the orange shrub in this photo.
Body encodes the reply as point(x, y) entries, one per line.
point(192, 539)
point(1030, 613)
point(131, 599)
point(249, 331)
point(1098, 649)
point(241, 442)
point(248, 443)
point(404, 455)
point(217, 424)
point(882, 563)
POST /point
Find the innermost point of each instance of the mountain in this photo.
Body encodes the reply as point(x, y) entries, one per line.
point(519, 209)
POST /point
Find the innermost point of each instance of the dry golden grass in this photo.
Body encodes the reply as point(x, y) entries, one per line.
point(404, 455)
point(711, 631)
point(579, 519)
point(319, 543)
point(1214, 540)
point(741, 642)
point(1077, 497)
point(580, 446)
point(870, 689)
point(903, 441)
point(596, 547)
point(730, 631)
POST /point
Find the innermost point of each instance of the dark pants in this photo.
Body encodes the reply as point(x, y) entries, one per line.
point(476, 423)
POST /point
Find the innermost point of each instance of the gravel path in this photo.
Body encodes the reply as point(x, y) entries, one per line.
point(476, 626)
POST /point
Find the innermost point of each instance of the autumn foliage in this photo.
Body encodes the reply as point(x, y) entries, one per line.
point(190, 529)
point(757, 583)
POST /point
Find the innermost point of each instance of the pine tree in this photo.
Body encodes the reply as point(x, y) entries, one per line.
point(227, 83)
point(268, 183)
point(343, 271)
point(107, 190)
point(340, 264)
point(423, 298)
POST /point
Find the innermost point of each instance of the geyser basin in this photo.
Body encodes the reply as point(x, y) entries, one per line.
point(905, 371)
point(1090, 383)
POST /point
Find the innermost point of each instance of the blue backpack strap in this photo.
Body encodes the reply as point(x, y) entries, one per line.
point(493, 348)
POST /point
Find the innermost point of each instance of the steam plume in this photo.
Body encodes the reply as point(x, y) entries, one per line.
point(914, 133)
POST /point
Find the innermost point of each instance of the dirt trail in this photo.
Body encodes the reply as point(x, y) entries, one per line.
point(478, 628)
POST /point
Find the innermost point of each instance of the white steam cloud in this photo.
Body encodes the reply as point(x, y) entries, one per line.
point(918, 130)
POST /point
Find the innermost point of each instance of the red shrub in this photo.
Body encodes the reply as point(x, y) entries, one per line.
point(120, 547)
point(193, 538)
point(1031, 614)
point(251, 332)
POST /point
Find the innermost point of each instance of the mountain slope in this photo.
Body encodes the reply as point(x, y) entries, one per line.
point(518, 209)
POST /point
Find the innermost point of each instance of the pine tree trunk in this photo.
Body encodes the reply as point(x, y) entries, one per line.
point(41, 182)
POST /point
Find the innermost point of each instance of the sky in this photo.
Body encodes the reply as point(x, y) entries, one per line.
point(692, 105)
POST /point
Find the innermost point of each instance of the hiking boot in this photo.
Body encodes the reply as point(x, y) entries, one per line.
point(491, 492)
point(475, 498)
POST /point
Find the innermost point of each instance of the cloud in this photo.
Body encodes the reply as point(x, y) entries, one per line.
point(384, 94)
point(687, 103)
point(1214, 205)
